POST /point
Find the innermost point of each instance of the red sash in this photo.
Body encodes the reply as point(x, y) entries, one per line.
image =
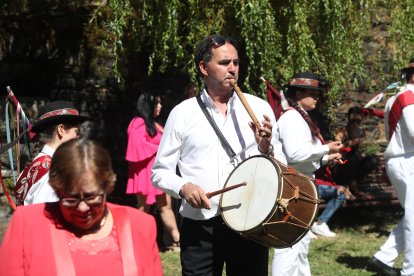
point(403, 100)
point(30, 175)
point(323, 175)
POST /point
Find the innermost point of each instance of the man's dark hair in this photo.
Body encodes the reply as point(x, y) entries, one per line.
point(203, 50)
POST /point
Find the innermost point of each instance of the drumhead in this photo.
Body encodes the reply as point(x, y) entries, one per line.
point(248, 206)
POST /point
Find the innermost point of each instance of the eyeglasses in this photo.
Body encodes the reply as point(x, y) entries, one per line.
point(90, 200)
point(218, 41)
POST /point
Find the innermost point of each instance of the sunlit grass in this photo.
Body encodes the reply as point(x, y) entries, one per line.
point(360, 233)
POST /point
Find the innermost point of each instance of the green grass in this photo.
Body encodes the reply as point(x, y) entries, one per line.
point(360, 233)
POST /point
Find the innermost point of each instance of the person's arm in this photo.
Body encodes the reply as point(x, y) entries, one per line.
point(407, 121)
point(270, 144)
point(11, 250)
point(297, 147)
point(43, 192)
point(139, 146)
point(164, 174)
point(277, 145)
point(373, 112)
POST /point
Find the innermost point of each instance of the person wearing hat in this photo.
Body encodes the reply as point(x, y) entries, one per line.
point(399, 155)
point(59, 122)
point(305, 151)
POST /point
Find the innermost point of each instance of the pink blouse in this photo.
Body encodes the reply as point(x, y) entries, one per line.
point(98, 257)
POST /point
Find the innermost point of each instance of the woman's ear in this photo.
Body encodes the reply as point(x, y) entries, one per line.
point(60, 130)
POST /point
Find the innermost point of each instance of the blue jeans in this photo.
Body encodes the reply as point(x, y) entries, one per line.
point(333, 198)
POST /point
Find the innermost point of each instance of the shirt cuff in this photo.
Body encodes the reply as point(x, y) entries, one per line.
point(324, 160)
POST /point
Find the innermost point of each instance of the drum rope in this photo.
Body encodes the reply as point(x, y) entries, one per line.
point(306, 197)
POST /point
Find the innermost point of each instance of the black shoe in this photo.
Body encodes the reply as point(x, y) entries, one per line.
point(376, 265)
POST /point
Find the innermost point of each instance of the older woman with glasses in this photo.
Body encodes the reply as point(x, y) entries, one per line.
point(81, 233)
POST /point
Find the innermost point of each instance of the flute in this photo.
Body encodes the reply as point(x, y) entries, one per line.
point(246, 106)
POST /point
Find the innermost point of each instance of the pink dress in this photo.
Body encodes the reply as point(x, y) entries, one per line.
point(140, 154)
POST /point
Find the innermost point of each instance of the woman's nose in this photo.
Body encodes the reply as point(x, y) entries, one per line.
point(83, 207)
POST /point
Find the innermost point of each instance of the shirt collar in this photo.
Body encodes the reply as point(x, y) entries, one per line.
point(209, 102)
point(48, 150)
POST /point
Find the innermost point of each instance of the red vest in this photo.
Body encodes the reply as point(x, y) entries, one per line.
point(30, 175)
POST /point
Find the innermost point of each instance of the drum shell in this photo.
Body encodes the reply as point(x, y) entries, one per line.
point(278, 227)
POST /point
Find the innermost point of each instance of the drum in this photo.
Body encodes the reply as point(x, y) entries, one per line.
point(277, 206)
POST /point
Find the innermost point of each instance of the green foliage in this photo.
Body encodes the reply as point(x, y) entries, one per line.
point(162, 21)
point(276, 37)
point(261, 38)
point(9, 184)
point(401, 31)
point(371, 149)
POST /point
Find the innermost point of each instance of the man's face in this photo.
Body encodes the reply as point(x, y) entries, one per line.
point(224, 65)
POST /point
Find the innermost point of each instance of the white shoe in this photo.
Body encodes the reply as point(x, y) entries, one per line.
point(323, 230)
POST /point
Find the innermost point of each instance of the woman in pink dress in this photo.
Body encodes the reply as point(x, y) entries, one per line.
point(144, 135)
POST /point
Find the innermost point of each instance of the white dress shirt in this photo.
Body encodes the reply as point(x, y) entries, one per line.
point(302, 151)
point(189, 142)
point(41, 191)
point(402, 141)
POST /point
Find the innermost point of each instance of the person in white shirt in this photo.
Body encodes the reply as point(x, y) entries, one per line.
point(305, 151)
point(59, 122)
point(399, 128)
point(190, 143)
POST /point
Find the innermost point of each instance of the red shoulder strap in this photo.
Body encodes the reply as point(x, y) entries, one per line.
point(30, 175)
point(403, 100)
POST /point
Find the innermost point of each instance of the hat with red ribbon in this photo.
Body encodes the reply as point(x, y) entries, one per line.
point(58, 112)
point(305, 80)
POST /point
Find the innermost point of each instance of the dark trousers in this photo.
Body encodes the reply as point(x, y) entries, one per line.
point(207, 244)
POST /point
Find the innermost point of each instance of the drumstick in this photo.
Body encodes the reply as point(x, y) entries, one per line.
point(211, 194)
point(246, 106)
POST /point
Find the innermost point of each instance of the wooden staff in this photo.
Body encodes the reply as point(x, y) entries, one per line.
point(246, 106)
point(211, 194)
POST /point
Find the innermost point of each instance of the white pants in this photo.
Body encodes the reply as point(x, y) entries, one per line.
point(292, 261)
point(400, 171)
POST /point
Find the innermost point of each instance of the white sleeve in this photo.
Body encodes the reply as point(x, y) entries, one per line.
point(406, 121)
point(41, 192)
point(297, 140)
point(164, 169)
point(277, 145)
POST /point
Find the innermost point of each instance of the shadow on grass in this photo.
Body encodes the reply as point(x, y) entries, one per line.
point(367, 219)
point(353, 262)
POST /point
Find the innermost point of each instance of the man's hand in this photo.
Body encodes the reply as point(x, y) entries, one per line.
point(195, 196)
point(263, 140)
point(335, 146)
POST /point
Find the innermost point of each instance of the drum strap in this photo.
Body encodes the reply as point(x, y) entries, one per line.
point(223, 140)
